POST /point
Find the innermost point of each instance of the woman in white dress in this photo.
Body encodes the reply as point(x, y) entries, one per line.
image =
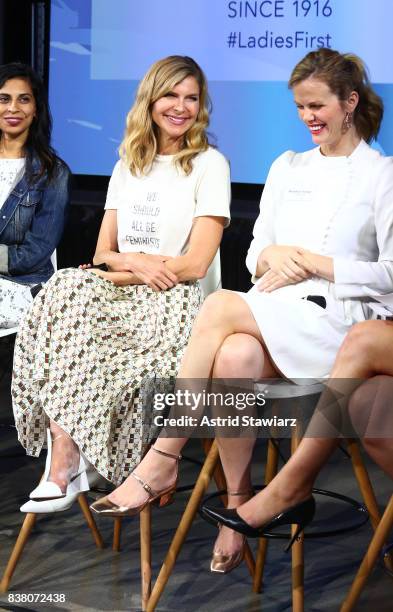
point(94, 340)
point(322, 249)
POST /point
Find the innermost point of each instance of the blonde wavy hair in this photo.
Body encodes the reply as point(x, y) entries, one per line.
point(140, 145)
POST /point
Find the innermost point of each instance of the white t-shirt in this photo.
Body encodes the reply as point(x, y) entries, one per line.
point(155, 212)
point(11, 170)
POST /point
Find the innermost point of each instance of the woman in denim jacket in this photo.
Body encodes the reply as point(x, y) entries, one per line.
point(34, 190)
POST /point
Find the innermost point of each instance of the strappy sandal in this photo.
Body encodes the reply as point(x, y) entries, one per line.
point(161, 498)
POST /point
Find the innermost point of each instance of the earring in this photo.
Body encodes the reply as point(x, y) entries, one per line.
point(347, 123)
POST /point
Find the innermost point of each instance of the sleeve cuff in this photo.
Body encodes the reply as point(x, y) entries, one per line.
point(3, 259)
point(343, 271)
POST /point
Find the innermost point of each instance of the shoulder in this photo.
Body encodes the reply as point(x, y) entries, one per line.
point(59, 178)
point(374, 154)
point(62, 169)
point(291, 159)
point(60, 172)
point(372, 158)
point(211, 158)
point(120, 171)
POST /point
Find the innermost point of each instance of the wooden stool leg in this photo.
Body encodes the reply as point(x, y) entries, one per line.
point(90, 520)
point(220, 480)
point(117, 524)
point(297, 552)
point(298, 573)
point(185, 523)
point(20, 543)
point(367, 491)
point(270, 472)
point(370, 558)
point(145, 535)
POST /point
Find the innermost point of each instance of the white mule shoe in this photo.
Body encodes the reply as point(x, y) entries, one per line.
point(48, 490)
point(50, 505)
point(62, 503)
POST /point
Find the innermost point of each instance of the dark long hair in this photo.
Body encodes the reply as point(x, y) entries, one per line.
point(39, 136)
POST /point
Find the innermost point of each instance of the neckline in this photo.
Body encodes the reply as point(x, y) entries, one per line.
point(341, 158)
point(13, 159)
point(159, 157)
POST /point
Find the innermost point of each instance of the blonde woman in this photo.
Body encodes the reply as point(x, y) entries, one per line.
point(93, 339)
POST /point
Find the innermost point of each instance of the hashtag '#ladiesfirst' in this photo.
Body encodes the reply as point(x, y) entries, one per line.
point(232, 40)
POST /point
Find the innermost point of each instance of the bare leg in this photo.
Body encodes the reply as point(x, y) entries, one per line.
point(223, 313)
point(373, 399)
point(65, 457)
point(367, 349)
point(240, 356)
point(371, 412)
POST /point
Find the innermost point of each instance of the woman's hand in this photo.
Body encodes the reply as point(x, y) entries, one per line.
point(289, 263)
point(272, 281)
point(152, 271)
point(97, 271)
point(283, 262)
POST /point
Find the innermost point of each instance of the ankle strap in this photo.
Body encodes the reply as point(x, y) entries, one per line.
point(244, 492)
point(145, 485)
point(56, 437)
point(165, 454)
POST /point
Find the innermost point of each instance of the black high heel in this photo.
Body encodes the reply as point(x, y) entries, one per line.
point(301, 515)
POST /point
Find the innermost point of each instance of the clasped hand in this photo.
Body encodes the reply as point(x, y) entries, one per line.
point(152, 271)
point(288, 265)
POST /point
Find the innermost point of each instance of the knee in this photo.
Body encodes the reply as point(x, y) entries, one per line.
point(369, 406)
point(359, 343)
point(358, 406)
point(239, 354)
point(67, 275)
point(213, 310)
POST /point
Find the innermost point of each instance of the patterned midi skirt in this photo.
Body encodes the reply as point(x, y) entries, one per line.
point(88, 355)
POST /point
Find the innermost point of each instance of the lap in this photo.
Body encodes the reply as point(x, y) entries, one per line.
point(227, 308)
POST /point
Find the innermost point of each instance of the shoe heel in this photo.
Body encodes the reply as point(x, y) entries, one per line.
point(79, 484)
point(166, 499)
point(298, 531)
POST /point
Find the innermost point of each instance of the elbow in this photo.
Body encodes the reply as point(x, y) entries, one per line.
point(200, 271)
point(97, 258)
point(100, 257)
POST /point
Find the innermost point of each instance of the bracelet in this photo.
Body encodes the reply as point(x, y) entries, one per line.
point(103, 267)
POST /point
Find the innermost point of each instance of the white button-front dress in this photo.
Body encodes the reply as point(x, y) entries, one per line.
point(341, 207)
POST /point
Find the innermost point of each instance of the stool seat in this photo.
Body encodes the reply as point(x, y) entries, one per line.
point(282, 389)
point(8, 331)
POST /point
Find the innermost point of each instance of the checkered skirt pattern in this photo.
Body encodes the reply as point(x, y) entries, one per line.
point(87, 355)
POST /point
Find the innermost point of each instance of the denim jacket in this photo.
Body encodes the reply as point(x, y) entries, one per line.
point(32, 221)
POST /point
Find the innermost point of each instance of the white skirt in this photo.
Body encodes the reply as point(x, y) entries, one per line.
point(302, 338)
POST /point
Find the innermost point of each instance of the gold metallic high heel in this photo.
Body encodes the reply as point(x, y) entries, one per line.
point(161, 498)
point(222, 563)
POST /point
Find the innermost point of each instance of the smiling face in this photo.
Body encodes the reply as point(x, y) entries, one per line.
point(325, 116)
point(17, 109)
point(175, 113)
